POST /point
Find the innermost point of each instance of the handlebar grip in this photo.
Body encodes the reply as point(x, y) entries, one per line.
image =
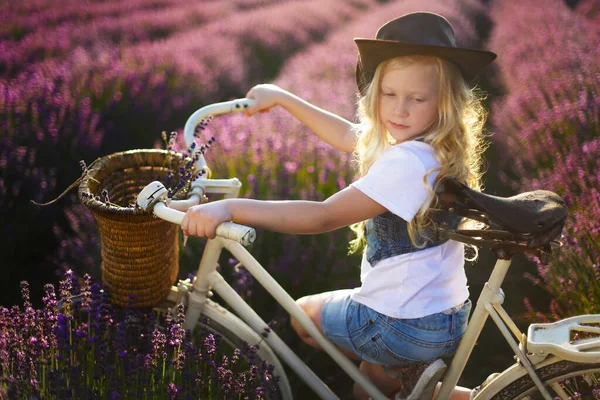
point(228, 230)
point(240, 233)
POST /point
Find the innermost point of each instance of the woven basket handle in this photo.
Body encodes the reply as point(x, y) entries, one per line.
point(233, 106)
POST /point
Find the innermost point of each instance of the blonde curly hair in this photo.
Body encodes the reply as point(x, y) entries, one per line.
point(456, 136)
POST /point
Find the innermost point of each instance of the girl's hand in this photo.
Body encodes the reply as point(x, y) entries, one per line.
point(265, 96)
point(202, 220)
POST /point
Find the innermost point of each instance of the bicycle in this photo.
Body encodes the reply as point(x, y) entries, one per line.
point(552, 359)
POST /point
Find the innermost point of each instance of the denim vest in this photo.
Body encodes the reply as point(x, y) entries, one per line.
point(387, 236)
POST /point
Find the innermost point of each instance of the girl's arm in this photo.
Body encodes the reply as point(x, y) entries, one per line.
point(335, 130)
point(344, 208)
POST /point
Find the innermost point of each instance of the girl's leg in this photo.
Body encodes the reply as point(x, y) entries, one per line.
point(379, 378)
point(459, 393)
point(390, 387)
point(312, 306)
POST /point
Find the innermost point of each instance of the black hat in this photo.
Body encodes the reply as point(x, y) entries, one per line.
point(422, 33)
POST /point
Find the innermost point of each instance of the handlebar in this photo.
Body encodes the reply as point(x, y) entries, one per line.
point(152, 198)
point(233, 106)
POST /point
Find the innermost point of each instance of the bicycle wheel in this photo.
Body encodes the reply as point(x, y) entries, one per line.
point(230, 334)
point(563, 379)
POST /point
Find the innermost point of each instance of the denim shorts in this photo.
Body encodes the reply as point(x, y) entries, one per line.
point(379, 339)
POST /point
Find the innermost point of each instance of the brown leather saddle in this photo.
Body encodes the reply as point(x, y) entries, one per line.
point(529, 222)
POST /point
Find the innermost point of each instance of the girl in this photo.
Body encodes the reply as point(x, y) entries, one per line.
point(419, 123)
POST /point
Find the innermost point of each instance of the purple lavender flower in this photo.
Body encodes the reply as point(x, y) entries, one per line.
point(172, 391)
point(549, 127)
point(210, 344)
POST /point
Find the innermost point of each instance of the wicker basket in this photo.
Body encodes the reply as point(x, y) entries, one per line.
point(140, 253)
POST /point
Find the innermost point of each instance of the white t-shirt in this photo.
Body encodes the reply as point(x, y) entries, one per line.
point(415, 284)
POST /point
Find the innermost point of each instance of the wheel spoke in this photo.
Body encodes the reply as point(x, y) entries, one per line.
point(565, 379)
point(581, 385)
point(559, 391)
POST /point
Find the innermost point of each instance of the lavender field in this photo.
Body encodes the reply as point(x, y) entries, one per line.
point(80, 80)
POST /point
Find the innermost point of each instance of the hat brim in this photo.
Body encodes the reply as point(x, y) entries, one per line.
point(374, 51)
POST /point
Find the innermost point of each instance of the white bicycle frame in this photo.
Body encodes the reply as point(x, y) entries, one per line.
point(540, 347)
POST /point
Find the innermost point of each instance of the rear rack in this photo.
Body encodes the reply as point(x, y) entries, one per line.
point(574, 339)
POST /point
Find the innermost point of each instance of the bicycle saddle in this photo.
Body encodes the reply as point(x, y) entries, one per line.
point(533, 212)
point(529, 222)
